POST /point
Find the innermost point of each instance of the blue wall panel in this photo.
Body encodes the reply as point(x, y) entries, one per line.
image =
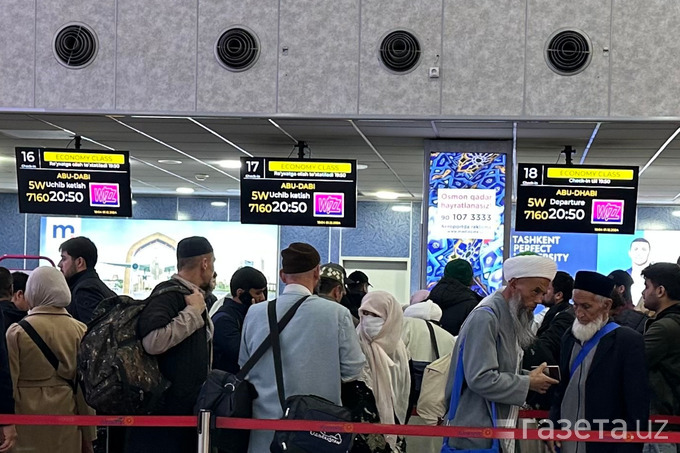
point(379, 232)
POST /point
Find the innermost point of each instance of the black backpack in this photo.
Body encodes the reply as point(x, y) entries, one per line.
point(118, 376)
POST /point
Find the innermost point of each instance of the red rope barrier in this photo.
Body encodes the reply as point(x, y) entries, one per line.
point(188, 421)
point(364, 428)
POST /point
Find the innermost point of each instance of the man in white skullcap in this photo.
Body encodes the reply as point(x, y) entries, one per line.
point(489, 349)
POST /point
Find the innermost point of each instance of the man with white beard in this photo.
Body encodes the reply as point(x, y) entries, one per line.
point(492, 340)
point(604, 374)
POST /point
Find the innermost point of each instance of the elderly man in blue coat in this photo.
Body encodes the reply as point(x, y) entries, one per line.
point(489, 349)
point(604, 374)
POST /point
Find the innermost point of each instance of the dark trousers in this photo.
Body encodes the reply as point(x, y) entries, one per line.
point(166, 440)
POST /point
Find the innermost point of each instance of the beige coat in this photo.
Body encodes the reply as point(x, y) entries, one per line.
point(39, 388)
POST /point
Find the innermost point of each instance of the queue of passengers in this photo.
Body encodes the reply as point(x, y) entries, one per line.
point(593, 359)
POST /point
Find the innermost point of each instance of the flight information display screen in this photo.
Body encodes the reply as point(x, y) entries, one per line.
point(298, 192)
point(74, 182)
point(576, 199)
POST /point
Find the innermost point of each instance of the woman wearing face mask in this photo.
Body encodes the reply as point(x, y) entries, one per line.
point(387, 371)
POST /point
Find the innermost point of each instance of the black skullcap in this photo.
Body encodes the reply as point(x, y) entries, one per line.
point(193, 246)
point(621, 278)
point(247, 278)
point(357, 277)
point(299, 257)
point(594, 283)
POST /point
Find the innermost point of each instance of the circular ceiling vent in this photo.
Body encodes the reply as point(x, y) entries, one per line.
point(237, 49)
point(75, 46)
point(568, 52)
point(400, 51)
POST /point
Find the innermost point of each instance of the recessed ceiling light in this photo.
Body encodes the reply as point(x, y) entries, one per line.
point(184, 190)
point(386, 195)
point(676, 213)
point(170, 162)
point(218, 204)
point(230, 163)
point(362, 166)
point(134, 201)
point(401, 208)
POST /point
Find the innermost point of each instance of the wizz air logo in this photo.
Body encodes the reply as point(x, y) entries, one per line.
point(608, 212)
point(104, 194)
point(329, 204)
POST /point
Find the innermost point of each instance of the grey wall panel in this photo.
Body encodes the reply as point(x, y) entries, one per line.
point(90, 87)
point(156, 59)
point(645, 67)
point(581, 95)
point(17, 53)
point(384, 92)
point(482, 69)
point(253, 90)
point(319, 71)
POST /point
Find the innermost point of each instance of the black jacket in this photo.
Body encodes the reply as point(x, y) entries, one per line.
point(228, 322)
point(558, 319)
point(632, 318)
point(663, 357)
point(10, 313)
point(616, 386)
point(184, 365)
point(6, 392)
point(456, 301)
point(87, 290)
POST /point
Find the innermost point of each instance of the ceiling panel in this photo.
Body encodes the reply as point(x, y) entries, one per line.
point(391, 147)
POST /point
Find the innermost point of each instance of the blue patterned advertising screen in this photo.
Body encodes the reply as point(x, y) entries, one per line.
point(466, 204)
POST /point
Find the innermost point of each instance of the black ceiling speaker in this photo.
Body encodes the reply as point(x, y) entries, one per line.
point(75, 46)
point(568, 52)
point(237, 49)
point(400, 51)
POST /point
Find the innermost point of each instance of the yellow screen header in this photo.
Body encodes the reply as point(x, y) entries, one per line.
point(90, 158)
point(314, 167)
point(591, 173)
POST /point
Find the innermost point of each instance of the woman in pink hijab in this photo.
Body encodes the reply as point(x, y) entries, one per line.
point(387, 370)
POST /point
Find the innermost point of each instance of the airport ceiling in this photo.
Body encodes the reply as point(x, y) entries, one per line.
point(392, 149)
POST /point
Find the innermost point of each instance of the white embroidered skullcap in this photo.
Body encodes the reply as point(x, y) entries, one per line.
point(529, 266)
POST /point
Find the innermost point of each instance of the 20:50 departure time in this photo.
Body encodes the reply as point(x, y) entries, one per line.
point(556, 214)
point(292, 207)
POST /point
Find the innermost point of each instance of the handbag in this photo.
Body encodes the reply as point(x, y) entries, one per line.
point(231, 395)
point(456, 391)
point(305, 407)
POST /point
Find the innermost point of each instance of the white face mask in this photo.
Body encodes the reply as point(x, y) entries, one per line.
point(372, 325)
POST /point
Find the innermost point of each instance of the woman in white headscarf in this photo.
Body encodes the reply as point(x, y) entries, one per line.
point(387, 370)
point(419, 343)
point(38, 387)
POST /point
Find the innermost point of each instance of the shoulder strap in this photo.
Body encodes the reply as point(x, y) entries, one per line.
point(267, 342)
point(590, 344)
point(433, 339)
point(276, 349)
point(47, 352)
point(457, 389)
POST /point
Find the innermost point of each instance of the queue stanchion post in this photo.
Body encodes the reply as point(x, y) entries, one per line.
point(204, 431)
